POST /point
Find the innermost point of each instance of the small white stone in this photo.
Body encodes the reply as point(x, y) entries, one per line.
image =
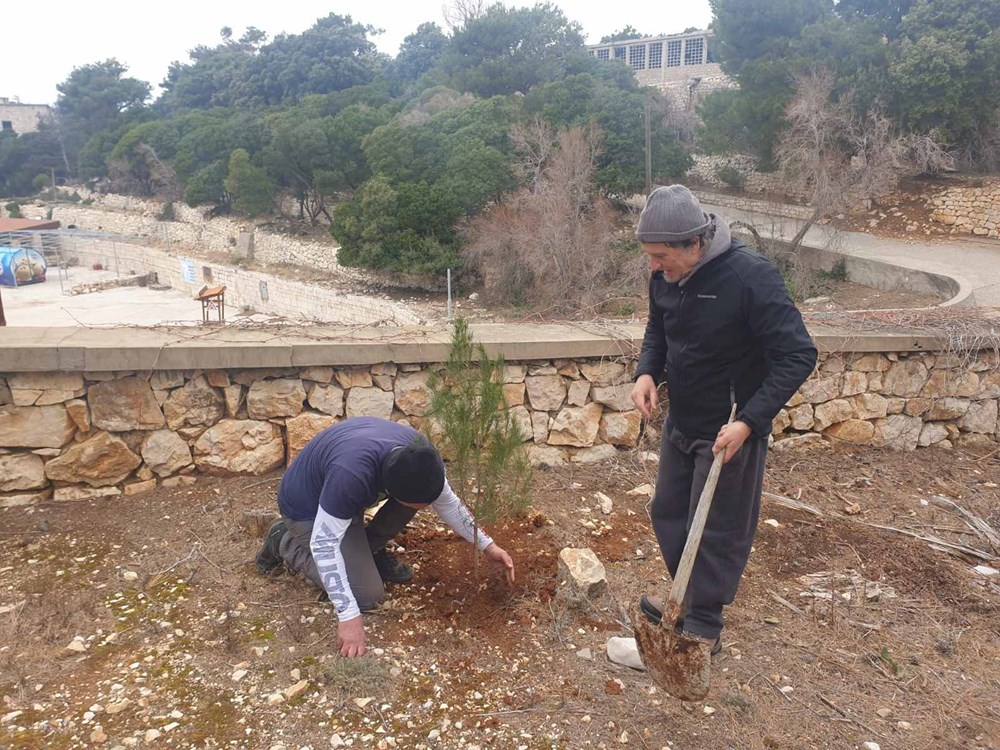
point(239, 674)
point(171, 726)
point(986, 570)
point(175, 714)
point(584, 653)
point(434, 734)
point(772, 522)
point(337, 741)
point(786, 689)
point(275, 698)
point(870, 746)
point(151, 735)
point(884, 712)
point(77, 645)
point(708, 710)
point(904, 726)
point(130, 575)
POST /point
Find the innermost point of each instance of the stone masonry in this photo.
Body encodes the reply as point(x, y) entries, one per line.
point(971, 210)
point(75, 435)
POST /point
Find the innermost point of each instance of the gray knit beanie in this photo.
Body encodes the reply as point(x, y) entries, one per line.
point(672, 214)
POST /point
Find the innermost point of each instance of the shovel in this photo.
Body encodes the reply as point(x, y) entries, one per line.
point(679, 663)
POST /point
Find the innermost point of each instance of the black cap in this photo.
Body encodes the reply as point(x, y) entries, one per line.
point(414, 473)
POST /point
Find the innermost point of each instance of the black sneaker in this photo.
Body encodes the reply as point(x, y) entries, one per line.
point(392, 569)
point(268, 558)
point(652, 608)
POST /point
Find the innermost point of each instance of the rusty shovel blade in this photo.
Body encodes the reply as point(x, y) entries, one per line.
point(679, 664)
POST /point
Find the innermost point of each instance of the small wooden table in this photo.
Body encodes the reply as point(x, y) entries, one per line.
point(212, 298)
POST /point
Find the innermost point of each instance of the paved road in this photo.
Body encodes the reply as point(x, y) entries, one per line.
point(972, 262)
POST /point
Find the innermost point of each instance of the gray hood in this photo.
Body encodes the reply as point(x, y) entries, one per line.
point(718, 238)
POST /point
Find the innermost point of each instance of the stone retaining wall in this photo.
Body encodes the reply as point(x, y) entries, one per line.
point(135, 217)
point(75, 435)
point(975, 210)
point(273, 295)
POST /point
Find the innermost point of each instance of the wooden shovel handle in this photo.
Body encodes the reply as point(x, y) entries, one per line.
point(679, 587)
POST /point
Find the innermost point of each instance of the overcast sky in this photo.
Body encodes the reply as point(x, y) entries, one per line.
point(43, 43)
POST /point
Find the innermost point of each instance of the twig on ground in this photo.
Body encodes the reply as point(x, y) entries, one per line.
point(784, 602)
point(848, 716)
point(973, 521)
point(787, 502)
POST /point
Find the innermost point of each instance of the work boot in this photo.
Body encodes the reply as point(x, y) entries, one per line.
point(268, 558)
point(652, 608)
point(392, 569)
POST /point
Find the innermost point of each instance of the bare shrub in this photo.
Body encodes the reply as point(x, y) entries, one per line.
point(556, 242)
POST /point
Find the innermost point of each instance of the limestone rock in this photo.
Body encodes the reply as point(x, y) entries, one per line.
point(932, 434)
point(35, 426)
point(905, 378)
point(384, 382)
point(576, 426)
point(781, 422)
point(544, 368)
point(514, 373)
point(388, 369)
point(871, 363)
point(620, 427)
point(568, 368)
point(513, 394)
point(854, 383)
point(217, 378)
point(546, 455)
point(816, 390)
point(139, 488)
point(328, 399)
point(25, 397)
point(165, 452)
point(616, 397)
point(597, 454)
point(234, 400)
point(99, 461)
point(164, 380)
point(980, 418)
point(50, 387)
point(21, 471)
point(79, 412)
point(24, 499)
point(354, 377)
point(413, 397)
point(249, 377)
point(522, 418)
point(895, 405)
point(317, 374)
point(303, 428)
point(545, 392)
point(899, 431)
point(78, 492)
point(240, 446)
point(797, 442)
point(625, 652)
point(947, 408)
point(267, 399)
point(989, 385)
point(605, 373)
point(801, 417)
point(123, 405)
point(540, 427)
point(371, 402)
point(951, 383)
point(579, 391)
point(831, 412)
point(852, 431)
point(197, 404)
point(583, 571)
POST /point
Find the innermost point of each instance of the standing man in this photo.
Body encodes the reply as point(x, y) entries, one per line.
point(722, 330)
point(323, 496)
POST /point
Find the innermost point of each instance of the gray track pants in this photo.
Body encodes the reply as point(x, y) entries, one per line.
point(731, 526)
point(358, 548)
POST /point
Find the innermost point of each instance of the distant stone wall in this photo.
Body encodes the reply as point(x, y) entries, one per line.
point(75, 435)
point(973, 210)
point(261, 292)
point(705, 170)
point(136, 217)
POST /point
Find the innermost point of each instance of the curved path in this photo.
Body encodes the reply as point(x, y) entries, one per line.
point(973, 263)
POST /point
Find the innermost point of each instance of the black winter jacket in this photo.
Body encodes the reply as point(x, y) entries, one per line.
point(730, 332)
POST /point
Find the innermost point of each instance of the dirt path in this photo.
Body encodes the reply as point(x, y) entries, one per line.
point(183, 645)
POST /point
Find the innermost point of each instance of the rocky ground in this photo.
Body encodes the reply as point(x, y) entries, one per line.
point(140, 622)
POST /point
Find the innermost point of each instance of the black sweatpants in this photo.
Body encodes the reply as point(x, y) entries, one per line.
point(729, 531)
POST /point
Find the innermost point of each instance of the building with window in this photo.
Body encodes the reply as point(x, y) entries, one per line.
point(673, 61)
point(22, 118)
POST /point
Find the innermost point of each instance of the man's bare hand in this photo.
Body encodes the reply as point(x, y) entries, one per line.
point(351, 637)
point(644, 396)
point(731, 438)
point(500, 559)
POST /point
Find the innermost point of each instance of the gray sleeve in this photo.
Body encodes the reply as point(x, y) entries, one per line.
point(328, 534)
point(454, 513)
